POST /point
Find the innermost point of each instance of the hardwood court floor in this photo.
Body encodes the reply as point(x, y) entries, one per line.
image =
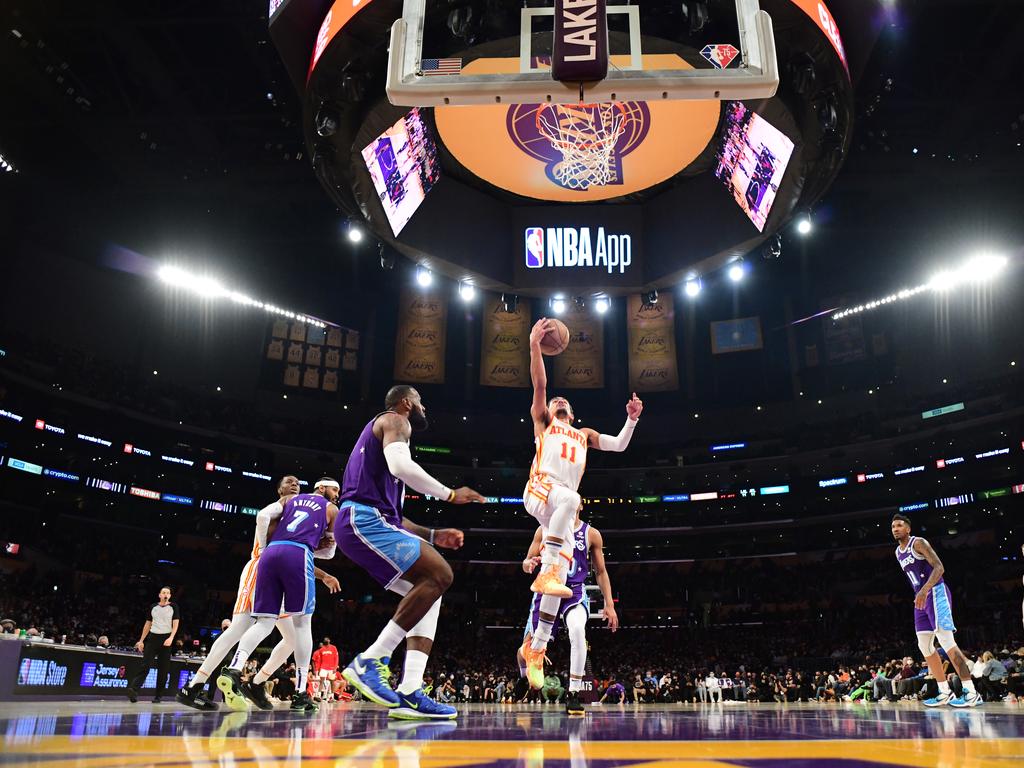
point(114, 733)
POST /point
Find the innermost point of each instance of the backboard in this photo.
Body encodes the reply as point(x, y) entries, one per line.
point(469, 60)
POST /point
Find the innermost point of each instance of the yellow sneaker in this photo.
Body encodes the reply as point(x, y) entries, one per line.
point(550, 583)
point(534, 665)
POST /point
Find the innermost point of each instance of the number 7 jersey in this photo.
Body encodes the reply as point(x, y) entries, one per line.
point(304, 520)
point(561, 456)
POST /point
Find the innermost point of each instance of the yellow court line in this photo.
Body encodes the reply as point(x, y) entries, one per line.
point(109, 751)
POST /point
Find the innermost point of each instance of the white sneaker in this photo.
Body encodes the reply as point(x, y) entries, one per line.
point(967, 700)
point(941, 700)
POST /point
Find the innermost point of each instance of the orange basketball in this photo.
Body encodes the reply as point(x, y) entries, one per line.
point(556, 340)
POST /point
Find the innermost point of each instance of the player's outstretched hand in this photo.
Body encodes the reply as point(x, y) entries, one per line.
point(448, 538)
point(332, 583)
point(465, 495)
point(540, 328)
point(634, 407)
point(530, 564)
point(611, 617)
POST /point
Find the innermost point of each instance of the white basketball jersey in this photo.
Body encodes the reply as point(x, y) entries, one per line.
point(561, 455)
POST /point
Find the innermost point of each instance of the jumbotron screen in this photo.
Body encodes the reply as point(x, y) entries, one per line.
point(404, 167)
point(752, 159)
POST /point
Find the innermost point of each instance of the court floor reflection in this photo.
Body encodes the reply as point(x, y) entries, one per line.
point(101, 734)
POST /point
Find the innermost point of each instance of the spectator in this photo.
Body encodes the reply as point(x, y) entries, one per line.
point(990, 675)
point(714, 688)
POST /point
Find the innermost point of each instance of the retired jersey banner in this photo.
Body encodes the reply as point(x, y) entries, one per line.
point(419, 343)
point(652, 345)
point(505, 344)
point(581, 365)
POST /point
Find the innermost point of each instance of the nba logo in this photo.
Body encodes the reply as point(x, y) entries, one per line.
point(534, 247)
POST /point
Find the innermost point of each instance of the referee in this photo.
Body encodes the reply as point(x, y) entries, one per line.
point(156, 643)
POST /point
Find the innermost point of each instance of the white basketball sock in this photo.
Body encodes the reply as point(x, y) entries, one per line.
point(412, 675)
point(385, 645)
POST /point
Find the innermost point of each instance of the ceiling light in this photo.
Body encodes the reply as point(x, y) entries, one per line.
point(737, 271)
point(557, 305)
point(602, 304)
point(692, 286)
point(355, 232)
point(804, 225)
point(424, 277)
point(466, 290)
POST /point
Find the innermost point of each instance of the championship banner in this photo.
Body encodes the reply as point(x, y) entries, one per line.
point(581, 365)
point(652, 345)
point(505, 344)
point(420, 341)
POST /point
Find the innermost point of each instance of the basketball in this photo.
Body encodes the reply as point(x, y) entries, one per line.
point(556, 340)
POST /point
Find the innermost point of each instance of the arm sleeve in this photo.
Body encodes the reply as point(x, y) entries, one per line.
point(620, 441)
point(175, 613)
point(401, 465)
point(268, 513)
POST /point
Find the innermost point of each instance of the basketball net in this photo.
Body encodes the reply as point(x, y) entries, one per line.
point(585, 135)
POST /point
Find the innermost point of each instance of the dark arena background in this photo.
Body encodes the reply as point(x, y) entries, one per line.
point(792, 229)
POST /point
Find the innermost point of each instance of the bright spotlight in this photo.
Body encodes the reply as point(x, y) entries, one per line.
point(355, 233)
point(424, 277)
point(737, 271)
point(601, 304)
point(804, 226)
point(943, 281)
point(466, 290)
point(558, 305)
point(984, 266)
point(692, 287)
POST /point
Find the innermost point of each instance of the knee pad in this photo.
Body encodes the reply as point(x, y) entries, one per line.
point(946, 639)
point(926, 643)
point(576, 623)
point(427, 626)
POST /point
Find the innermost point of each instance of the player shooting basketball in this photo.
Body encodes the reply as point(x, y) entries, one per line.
point(551, 492)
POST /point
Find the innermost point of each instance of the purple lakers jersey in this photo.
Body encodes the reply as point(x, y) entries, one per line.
point(304, 520)
point(918, 569)
point(367, 479)
point(580, 568)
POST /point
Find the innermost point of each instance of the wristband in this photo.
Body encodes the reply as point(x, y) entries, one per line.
point(432, 532)
point(451, 495)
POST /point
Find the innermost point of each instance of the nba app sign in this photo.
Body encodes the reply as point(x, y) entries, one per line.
point(577, 248)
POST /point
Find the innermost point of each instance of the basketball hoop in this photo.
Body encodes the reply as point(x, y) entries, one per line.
point(585, 135)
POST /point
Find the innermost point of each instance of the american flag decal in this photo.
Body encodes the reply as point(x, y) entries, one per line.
point(441, 66)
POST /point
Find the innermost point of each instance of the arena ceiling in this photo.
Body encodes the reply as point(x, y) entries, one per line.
point(140, 120)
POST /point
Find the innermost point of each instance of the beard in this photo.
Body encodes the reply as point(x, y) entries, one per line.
point(563, 414)
point(418, 420)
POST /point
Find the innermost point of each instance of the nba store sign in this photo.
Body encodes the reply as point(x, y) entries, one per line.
point(577, 248)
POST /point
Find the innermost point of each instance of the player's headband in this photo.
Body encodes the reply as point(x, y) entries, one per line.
point(327, 483)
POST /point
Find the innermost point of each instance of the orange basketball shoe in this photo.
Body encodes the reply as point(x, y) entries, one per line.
point(534, 664)
point(551, 583)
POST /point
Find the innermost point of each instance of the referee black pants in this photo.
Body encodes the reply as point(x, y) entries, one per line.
point(154, 650)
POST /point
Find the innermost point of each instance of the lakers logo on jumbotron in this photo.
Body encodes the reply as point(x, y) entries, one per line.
point(581, 145)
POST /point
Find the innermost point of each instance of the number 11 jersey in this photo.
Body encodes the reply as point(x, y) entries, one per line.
point(561, 456)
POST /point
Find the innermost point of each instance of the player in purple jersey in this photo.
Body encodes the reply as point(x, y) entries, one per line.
point(285, 584)
point(398, 553)
point(572, 611)
point(933, 614)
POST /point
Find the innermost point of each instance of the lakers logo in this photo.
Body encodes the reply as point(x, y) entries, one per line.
point(425, 308)
point(581, 145)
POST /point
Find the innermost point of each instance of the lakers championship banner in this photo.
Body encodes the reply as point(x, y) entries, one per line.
point(652, 345)
point(420, 341)
point(505, 344)
point(581, 365)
